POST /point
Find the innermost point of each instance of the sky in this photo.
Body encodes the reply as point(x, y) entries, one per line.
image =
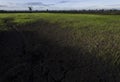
point(58, 4)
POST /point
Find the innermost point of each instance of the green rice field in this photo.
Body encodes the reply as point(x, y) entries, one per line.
point(89, 41)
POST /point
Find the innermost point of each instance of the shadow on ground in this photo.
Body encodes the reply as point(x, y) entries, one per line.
point(37, 57)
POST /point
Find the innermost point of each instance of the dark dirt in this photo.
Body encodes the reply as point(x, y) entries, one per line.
point(34, 56)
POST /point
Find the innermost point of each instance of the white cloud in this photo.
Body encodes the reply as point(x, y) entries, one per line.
point(59, 4)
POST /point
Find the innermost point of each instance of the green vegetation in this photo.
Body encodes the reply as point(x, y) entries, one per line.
point(98, 34)
point(93, 35)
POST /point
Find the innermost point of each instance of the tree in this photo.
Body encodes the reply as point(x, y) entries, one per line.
point(30, 8)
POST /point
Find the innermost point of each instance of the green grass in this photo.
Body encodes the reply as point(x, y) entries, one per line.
point(97, 35)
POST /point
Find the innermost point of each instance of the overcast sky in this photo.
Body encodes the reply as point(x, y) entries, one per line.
point(59, 4)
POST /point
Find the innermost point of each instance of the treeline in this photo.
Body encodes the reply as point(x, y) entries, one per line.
point(102, 11)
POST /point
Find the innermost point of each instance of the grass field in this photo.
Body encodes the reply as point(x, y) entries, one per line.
point(84, 38)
